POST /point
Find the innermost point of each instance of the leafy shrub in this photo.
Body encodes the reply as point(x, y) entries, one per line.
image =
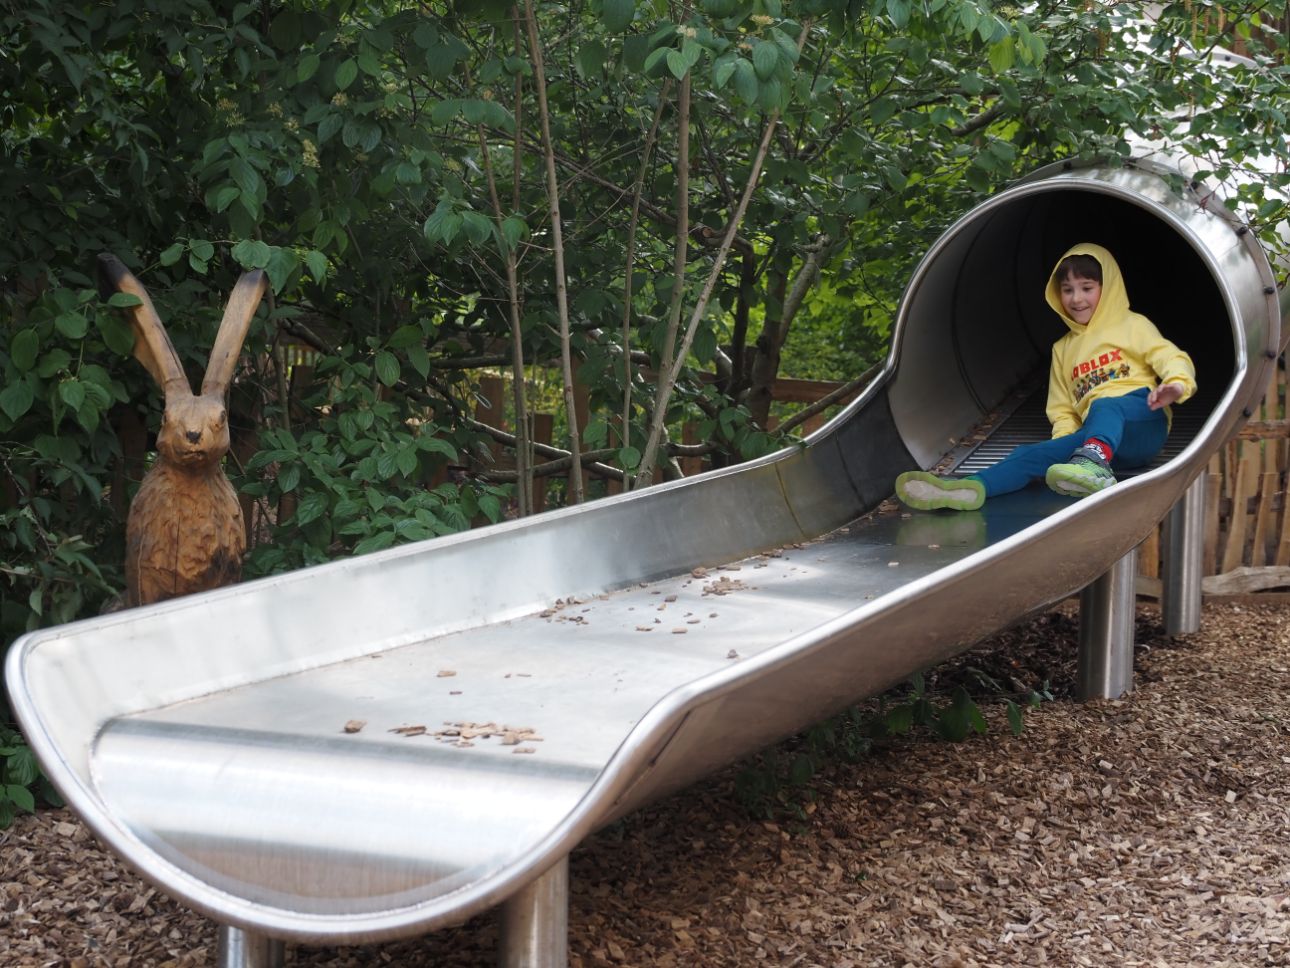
point(22, 783)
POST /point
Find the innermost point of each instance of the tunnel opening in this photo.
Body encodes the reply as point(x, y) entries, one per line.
point(974, 333)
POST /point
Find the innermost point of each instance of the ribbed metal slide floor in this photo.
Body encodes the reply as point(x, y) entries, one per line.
point(1025, 422)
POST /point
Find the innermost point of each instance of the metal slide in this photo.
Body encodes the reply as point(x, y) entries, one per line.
point(571, 667)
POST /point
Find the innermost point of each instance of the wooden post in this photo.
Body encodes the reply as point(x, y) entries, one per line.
point(491, 410)
point(543, 427)
point(690, 435)
point(1149, 555)
point(1213, 511)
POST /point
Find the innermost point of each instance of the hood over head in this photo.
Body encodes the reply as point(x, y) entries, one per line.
point(1114, 302)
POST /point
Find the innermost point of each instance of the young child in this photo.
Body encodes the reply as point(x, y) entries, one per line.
point(1112, 379)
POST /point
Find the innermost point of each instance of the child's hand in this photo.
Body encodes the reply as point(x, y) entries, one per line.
point(1164, 395)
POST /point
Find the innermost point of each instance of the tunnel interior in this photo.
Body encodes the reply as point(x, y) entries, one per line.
point(975, 328)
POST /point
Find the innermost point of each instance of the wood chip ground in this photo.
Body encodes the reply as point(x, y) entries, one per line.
point(1145, 832)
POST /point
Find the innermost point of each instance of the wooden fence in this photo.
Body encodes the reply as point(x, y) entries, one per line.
point(1247, 528)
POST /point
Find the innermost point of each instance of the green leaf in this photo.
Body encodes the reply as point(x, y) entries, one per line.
point(72, 393)
point(23, 349)
point(406, 173)
point(21, 766)
point(124, 300)
point(172, 255)
point(55, 361)
point(629, 457)
point(1003, 55)
point(419, 359)
point(202, 249)
point(800, 773)
point(247, 178)
point(346, 73)
point(368, 62)
point(317, 265)
point(770, 93)
point(117, 333)
point(881, 110)
point(900, 719)
point(1014, 718)
point(426, 35)
point(898, 11)
point(222, 199)
point(21, 797)
point(329, 125)
point(445, 110)
point(282, 263)
point(387, 368)
point(312, 507)
point(72, 325)
point(436, 445)
point(746, 84)
point(451, 226)
point(477, 226)
point(765, 59)
point(382, 539)
point(514, 228)
point(676, 63)
point(307, 67)
point(655, 59)
point(252, 254)
point(722, 71)
point(590, 59)
point(16, 398)
point(407, 461)
point(405, 336)
point(288, 478)
point(617, 15)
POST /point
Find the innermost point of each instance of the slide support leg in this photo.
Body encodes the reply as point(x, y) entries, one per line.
point(1180, 591)
point(236, 948)
point(535, 922)
point(1106, 613)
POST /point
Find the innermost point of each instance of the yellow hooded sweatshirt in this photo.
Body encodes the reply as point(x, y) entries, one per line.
point(1116, 352)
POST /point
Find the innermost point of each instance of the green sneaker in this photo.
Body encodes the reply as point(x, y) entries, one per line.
point(1083, 474)
point(927, 492)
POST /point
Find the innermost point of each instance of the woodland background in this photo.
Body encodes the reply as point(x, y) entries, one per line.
point(641, 213)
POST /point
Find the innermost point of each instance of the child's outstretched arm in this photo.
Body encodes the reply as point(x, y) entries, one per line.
point(1172, 366)
point(1165, 394)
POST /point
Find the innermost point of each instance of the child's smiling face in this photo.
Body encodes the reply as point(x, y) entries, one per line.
point(1080, 297)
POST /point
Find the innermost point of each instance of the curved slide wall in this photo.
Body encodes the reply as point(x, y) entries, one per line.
point(201, 738)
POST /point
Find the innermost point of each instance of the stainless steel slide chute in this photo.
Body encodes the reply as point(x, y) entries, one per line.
point(625, 648)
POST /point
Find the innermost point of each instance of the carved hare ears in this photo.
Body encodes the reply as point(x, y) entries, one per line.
point(152, 346)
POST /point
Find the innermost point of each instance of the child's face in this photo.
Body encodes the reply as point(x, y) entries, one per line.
point(1080, 297)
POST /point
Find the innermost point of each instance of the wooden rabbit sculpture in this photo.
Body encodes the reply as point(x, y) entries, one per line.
point(184, 532)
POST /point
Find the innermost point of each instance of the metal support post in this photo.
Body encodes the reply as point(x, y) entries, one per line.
point(1106, 613)
point(535, 922)
point(246, 949)
point(1180, 590)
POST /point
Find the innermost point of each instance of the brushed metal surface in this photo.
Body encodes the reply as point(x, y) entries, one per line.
point(203, 739)
point(1184, 545)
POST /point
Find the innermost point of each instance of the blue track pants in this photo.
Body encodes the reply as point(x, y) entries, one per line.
point(1134, 432)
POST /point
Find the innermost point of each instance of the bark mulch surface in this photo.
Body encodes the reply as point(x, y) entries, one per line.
point(1151, 831)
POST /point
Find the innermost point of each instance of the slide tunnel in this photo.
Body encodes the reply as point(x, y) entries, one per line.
point(646, 639)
